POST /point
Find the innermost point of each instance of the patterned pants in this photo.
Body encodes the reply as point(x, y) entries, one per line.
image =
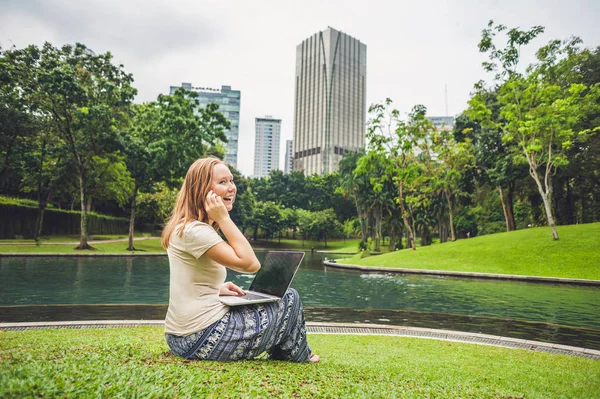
point(245, 332)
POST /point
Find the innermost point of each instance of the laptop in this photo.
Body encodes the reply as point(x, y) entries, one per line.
point(272, 280)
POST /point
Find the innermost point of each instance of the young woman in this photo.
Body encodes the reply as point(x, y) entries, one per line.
point(198, 325)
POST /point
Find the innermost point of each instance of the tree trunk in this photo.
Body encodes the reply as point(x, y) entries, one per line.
point(364, 227)
point(510, 207)
point(132, 221)
point(39, 223)
point(582, 211)
point(6, 161)
point(399, 233)
point(451, 216)
point(570, 203)
point(411, 235)
point(42, 205)
point(442, 229)
point(392, 243)
point(547, 199)
point(83, 237)
point(377, 228)
point(361, 219)
point(508, 216)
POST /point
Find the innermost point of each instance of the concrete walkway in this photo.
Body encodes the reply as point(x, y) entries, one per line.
point(513, 277)
point(345, 328)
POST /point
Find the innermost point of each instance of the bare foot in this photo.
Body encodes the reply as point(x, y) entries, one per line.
point(315, 359)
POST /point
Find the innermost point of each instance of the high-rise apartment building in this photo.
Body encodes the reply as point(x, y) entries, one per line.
point(289, 156)
point(229, 105)
point(441, 122)
point(266, 145)
point(330, 100)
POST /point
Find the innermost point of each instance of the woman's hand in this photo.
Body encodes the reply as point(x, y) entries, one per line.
point(215, 208)
point(229, 288)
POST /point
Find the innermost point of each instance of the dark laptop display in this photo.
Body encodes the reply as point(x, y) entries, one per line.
point(272, 280)
point(276, 273)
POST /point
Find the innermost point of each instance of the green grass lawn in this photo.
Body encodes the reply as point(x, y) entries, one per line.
point(135, 362)
point(525, 252)
point(143, 247)
point(74, 238)
point(153, 245)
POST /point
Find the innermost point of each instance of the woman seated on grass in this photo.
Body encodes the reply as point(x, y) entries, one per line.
point(198, 325)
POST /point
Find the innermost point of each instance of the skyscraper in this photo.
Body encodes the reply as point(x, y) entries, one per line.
point(266, 145)
point(330, 100)
point(289, 156)
point(229, 105)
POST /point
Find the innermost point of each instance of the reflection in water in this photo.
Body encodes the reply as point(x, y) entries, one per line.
point(328, 294)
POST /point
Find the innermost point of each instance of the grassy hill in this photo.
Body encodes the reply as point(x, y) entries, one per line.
point(527, 252)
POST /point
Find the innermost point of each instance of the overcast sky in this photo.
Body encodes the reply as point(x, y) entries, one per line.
point(414, 48)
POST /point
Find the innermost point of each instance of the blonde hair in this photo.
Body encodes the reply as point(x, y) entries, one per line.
point(190, 200)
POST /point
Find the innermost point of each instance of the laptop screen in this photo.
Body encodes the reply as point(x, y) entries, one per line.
point(276, 272)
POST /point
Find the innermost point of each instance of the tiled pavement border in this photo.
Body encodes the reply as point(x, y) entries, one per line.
point(345, 328)
point(513, 277)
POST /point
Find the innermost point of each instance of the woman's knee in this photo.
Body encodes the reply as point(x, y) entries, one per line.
point(291, 292)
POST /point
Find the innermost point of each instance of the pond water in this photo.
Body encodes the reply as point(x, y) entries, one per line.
point(86, 288)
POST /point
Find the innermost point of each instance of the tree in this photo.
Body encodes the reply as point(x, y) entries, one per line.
point(494, 160)
point(109, 179)
point(396, 140)
point(18, 124)
point(453, 158)
point(156, 205)
point(267, 216)
point(576, 187)
point(84, 95)
point(324, 224)
point(424, 198)
point(45, 166)
point(243, 210)
point(539, 117)
point(289, 220)
point(164, 138)
point(371, 168)
point(305, 219)
point(356, 186)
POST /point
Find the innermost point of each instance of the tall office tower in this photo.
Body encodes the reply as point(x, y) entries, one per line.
point(266, 145)
point(330, 100)
point(229, 105)
point(289, 156)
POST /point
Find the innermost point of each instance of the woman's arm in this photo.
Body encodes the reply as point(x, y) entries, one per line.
point(238, 253)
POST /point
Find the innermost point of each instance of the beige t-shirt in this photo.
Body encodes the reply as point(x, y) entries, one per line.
point(195, 281)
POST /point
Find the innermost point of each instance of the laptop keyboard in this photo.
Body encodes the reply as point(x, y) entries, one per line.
point(250, 296)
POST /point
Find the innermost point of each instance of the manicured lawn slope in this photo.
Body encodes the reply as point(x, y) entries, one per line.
point(526, 252)
point(134, 362)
